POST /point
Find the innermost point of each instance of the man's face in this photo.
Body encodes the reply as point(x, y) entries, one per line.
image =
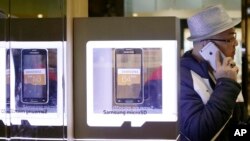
point(227, 42)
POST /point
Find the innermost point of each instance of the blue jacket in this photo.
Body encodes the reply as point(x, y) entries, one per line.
point(205, 108)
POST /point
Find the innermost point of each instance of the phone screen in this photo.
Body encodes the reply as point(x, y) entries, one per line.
point(128, 76)
point(34, 76)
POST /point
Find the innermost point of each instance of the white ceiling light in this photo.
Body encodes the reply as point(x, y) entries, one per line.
point(39, 15)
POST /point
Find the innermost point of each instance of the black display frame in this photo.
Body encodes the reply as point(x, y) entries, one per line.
point(117, 28)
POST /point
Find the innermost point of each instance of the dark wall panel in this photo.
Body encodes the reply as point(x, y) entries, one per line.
point(46, 29)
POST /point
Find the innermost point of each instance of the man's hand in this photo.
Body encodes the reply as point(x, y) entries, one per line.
point(225, 68)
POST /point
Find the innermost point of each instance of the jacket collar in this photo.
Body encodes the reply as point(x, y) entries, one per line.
point(190, 62)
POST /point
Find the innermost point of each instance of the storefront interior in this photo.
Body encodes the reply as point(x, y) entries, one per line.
point(58, 29)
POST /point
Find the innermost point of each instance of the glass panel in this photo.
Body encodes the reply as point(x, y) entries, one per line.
point(37, 97)
point(4, 122)
point(37, 42)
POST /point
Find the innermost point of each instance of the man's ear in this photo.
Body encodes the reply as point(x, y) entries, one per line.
point(200, 44)
point(204, 42)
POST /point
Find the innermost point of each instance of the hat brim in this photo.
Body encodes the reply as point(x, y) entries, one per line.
point(220, 29)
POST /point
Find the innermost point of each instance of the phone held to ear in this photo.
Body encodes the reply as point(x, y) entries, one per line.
point(208, 52)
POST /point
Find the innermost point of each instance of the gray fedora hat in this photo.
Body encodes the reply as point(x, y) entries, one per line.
point(208, 22)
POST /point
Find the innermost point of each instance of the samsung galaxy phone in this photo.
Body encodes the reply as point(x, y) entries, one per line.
point(128, 76)
point(34, 68)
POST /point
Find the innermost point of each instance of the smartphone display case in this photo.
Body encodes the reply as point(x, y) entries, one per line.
point(108, 61)
point(125, 79)
point(36, 92)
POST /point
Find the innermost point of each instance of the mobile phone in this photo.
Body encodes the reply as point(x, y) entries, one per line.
point(208, 52)
point(129, 76)
point(34, 66)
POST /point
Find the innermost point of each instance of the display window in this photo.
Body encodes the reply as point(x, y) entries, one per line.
point(32, 94)
point(36, 92)
point(4, 90)
point(125, 82)
point(32, 101)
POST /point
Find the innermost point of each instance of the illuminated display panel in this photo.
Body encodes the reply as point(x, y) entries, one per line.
point(104, 69)
point(38, 105)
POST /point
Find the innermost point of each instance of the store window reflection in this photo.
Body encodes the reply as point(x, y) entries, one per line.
point(33, 102)
point(3, 91)
point(4, 118)
point(37, 95)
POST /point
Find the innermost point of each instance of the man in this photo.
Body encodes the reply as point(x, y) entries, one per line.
point(209, 98)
